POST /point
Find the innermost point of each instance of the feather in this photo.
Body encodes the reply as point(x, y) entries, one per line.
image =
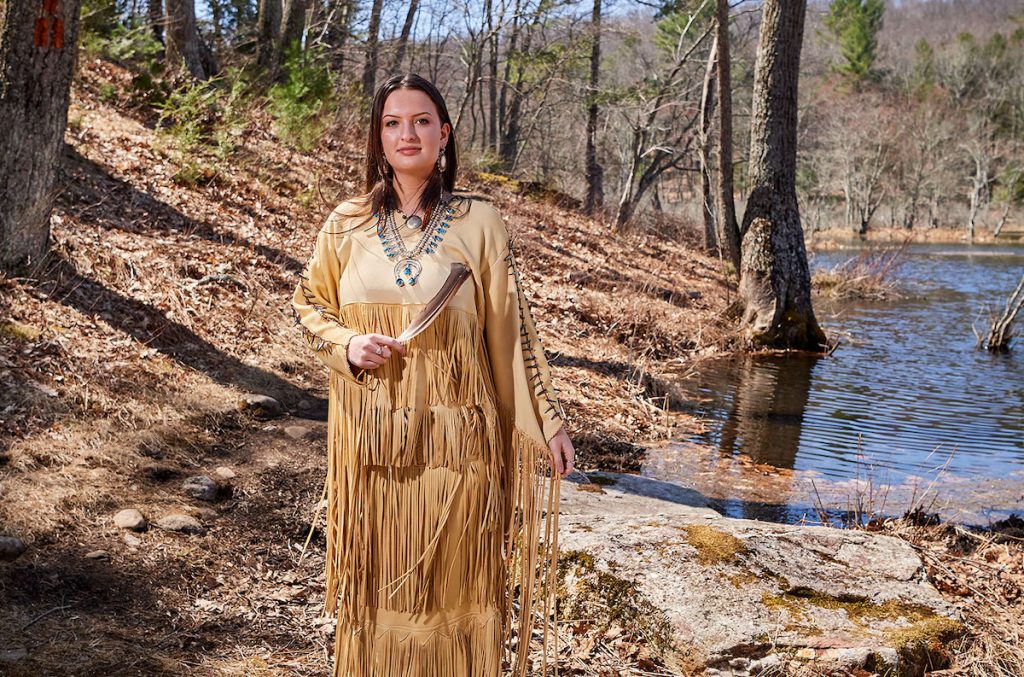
point(455, 279)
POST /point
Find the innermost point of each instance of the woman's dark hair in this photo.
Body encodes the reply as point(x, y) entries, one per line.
point(380, 189)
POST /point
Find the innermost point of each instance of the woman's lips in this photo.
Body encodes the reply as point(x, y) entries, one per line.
point(409, 151)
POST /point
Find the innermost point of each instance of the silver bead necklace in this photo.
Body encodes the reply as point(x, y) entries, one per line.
point(407, 266)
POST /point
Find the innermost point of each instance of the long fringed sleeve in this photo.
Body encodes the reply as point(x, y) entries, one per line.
point(316, 303)
point(521, 373)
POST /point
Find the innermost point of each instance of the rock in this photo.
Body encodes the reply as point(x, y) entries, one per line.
point(298, 432)
point(206, 513)
point(731, 589)
point(132, 541)
point(261, 406)
point(223, 473)
point(201, 488)
point(179, 522)
point(13, 655)
point(11, 548)
point(131, 519)
point(97, 554)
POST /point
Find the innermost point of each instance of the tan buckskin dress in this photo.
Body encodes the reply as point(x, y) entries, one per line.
point(442, 505)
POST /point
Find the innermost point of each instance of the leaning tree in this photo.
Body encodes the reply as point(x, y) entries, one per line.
point(775, 280)
point(37, 52)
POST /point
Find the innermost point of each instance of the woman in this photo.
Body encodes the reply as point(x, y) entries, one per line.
point(442, 499)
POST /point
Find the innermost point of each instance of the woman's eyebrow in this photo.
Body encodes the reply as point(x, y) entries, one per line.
point(392, 115)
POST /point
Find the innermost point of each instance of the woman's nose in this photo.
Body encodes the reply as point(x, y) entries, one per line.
point(409, 132)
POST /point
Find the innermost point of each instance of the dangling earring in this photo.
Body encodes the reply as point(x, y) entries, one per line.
point(442, 161)
point(383, 167)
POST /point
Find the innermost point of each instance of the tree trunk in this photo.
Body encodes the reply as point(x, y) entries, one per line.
point(37, 55)
point(595, 172)
point(707, 104)
point(155, 11)
point(338, 30)
point(775, 282)
point(184, 46)
point(403, 40)
point(728, 229)
point(372, 50)
point(268, 29)
point(293, 23)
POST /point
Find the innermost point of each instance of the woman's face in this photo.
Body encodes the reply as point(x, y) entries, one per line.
point(411, 132)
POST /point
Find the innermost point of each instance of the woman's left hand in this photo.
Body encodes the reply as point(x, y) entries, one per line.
point(562, 452)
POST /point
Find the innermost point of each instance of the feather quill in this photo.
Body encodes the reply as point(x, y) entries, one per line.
point(458, 275)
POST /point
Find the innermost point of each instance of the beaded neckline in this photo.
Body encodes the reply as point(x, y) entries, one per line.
point(407, 266)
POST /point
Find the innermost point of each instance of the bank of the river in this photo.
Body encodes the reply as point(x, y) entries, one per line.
point(829, 238)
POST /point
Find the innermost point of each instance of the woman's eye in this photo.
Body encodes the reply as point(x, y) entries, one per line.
point(424, 120)
point(389, 123)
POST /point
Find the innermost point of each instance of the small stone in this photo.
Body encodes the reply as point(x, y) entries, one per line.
point(131, 519)
point(10, 548)
point(201, 488)
point(132, 541)
point(223, 473)
point(97, 554)
point(206, 513)
point(13, 655)
point(297, 432)
point(260, 406)
point(806, 653)
point(185, 524)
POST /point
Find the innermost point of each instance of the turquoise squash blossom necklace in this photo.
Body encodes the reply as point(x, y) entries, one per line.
point(407, 265)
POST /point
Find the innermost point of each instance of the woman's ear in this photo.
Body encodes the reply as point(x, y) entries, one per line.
point(445, 131)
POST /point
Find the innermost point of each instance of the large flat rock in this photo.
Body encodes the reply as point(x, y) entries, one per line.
point(741, 596)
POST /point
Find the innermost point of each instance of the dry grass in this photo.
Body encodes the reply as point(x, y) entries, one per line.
point(872, 274)
point(981, 571)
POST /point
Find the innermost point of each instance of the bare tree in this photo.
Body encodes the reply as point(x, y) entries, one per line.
point(658, 145)
point(728, 228)
point(595, 172)
point(268, 35)
point(372, 50)
point(37, 53)
point(707, 106)
point(185, 47)
point(403, 39)
point(775, 282)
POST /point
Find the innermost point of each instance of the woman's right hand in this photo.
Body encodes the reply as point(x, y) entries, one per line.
point(363, 350)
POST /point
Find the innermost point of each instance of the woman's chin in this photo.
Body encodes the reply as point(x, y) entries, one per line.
point(417, 169)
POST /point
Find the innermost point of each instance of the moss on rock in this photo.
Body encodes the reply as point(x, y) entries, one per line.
point(714, 546)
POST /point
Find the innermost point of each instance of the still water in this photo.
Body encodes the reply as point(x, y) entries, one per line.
point(906, 401)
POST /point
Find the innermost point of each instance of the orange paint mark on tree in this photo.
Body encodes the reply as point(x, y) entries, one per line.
point(58, 34)
point(41, 32)
point(50, 6)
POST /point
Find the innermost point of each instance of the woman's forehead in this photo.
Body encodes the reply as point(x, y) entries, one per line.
point(406, 102)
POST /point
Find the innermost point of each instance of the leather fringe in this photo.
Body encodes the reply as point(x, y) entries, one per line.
point(438, 508)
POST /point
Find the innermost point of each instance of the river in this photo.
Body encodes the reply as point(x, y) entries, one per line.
point(906, 412)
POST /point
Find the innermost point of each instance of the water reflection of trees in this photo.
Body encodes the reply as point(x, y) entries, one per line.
point(765, 415)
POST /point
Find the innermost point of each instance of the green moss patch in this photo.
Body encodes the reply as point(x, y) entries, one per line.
point(604, 600)
point(714, 546)
point(19, 332)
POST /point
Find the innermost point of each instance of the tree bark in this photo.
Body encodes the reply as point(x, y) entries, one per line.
point(728, 229)
point(707, 105)
point(37, 55)
point(775, 282)
point(184, 45)
point(293, 23)
point(595, 172)
point(155, 11)
point(372, 50)
point(268, 30)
